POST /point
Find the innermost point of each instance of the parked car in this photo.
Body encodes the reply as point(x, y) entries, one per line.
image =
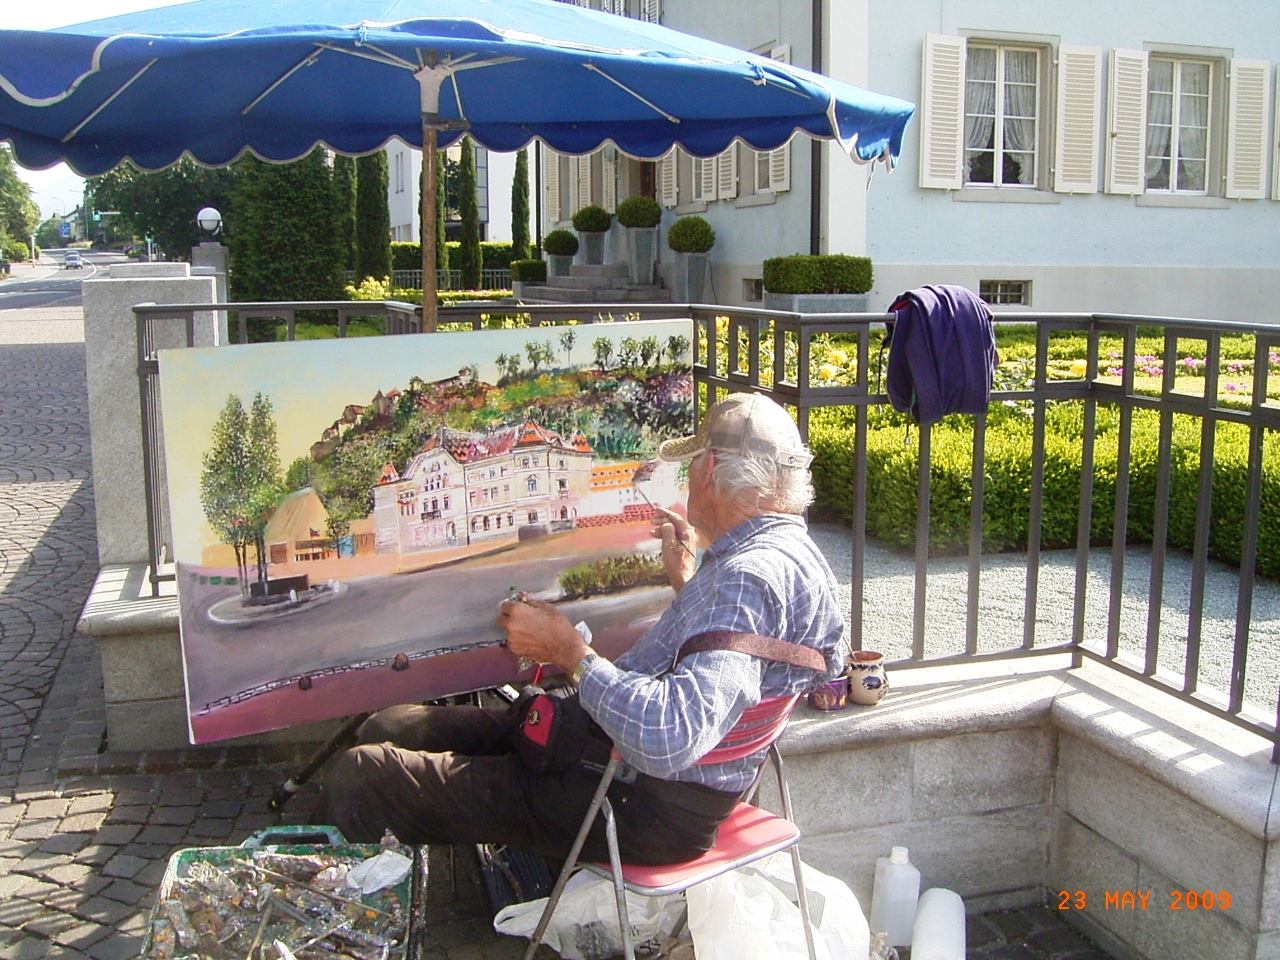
point(73, 260)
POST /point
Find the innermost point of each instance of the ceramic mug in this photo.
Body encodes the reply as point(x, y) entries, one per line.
point(867, 681)
point(831, 694)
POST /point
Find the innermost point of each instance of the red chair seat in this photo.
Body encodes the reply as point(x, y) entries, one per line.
point(748, 834)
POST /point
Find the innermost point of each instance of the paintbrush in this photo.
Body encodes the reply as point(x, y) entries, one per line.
point(655, 508)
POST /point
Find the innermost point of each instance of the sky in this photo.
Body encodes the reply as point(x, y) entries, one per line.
point(58, 190)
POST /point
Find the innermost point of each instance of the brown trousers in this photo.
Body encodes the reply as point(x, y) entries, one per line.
point(448, 775)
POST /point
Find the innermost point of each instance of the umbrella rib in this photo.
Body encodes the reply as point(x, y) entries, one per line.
point(648, 103)
point(106, 103)
point(308, 59)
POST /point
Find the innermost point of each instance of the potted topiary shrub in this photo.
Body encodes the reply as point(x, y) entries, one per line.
point(641, 216)
point(560, 246)
point(835, 283)
point(592, 223)
point(527, 273)
point(691, 238)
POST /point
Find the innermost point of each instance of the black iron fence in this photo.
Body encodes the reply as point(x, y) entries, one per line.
point(785, 355)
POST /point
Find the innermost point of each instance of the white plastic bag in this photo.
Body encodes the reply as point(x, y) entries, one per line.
point(585, 924)
point(751, 914)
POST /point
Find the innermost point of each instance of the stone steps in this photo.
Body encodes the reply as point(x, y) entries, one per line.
point(596, 283)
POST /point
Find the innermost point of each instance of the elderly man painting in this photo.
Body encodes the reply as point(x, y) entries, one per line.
point(449, 774)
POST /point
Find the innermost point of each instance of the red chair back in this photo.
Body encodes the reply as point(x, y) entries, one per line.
point(755, 730)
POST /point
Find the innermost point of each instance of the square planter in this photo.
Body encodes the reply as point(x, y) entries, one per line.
point(559, 265)
point(816, 302)
point(642, 250)
point(692, 272)
point(592, 247)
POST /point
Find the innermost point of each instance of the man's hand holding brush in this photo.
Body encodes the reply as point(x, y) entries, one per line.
point(678, 539)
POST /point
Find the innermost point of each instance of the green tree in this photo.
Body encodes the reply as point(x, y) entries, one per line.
point(344, 212)
point(650, 350)
point(298, 476)
point(47, 234)
point(603, 349)
point(520, 208)
point(568, 337)
point(629, 352)
point(19, 214)
point(266, 490)
point(442, 235)
point(280, 249)
point(469, 256)
point(535, 351)
point(373, 218)
point(162, 205)
point(677, 347)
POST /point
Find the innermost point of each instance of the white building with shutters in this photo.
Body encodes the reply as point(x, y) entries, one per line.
point(1066, 155)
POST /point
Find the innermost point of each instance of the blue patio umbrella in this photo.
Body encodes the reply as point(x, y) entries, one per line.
point(214, 78)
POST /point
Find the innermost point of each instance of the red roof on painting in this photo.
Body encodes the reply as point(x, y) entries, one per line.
point(389, 473)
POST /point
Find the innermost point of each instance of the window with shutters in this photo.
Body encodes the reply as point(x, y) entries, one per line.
point(1179, 108)
point(1002, 116)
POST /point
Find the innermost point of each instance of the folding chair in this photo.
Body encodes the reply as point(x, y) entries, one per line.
point(748, 834)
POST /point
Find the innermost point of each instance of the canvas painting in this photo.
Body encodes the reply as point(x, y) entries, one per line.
point(348, 515)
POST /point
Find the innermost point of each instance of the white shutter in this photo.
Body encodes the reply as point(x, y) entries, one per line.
point(780, 159)
point(651, 10)
point(727, 174)
point(551, 177)
point(609, 178)
point(1275, 146)
point(1075, 166)
point(1127, 122)
point(584, 181)
point(668, 185)
point(942, 113)
point(1247, 129)
point(706, 173)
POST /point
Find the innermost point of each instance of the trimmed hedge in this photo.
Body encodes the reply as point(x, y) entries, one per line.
point(592, 218)
point(560, 243)
point(691, 235)
point(408, 256)
point(529, 271)
point(892, 471)
point(639, 212)
point(833, 273)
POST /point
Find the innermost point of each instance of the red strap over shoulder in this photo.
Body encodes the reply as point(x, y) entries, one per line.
point(767, 648)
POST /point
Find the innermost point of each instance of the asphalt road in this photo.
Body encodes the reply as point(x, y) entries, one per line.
point(48, 284)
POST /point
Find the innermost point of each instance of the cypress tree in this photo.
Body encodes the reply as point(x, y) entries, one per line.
point(469, 209)
point(279, 248)
point(373, 218)
point(520, 208)
point(442, 237)
point(344, 214)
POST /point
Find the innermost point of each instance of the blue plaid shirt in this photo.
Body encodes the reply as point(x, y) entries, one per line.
point(764, 576)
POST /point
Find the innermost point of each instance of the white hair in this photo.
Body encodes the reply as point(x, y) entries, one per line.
point(761, 484)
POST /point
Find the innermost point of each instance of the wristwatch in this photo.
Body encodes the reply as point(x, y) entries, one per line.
point(581, 666)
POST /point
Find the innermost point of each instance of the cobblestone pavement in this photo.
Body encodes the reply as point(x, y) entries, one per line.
point(86, 832)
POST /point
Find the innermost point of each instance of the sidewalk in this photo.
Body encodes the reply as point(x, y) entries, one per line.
point(85, 832)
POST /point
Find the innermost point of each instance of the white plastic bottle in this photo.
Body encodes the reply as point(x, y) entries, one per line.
point(893, 898)
point(939, 929)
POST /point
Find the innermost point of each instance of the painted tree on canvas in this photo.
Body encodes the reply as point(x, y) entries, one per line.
point(240, 483)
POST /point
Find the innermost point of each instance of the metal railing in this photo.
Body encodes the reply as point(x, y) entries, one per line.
point(490, 279)
point(772, 352)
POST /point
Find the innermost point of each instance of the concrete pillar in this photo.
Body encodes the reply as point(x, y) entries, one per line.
point(213, 259)
point(111, 360)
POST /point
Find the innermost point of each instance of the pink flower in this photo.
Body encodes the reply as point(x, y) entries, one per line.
point(1232, 388)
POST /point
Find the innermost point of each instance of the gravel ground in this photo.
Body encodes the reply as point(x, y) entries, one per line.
point(889, 590)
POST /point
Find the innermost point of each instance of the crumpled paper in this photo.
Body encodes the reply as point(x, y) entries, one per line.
point(377, 873)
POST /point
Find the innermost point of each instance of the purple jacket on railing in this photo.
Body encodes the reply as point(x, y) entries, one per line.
point(942, 353)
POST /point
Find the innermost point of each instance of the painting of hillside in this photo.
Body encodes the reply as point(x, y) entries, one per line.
point(354, 511)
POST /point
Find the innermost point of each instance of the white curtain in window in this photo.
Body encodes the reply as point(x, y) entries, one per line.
point(1159, 117)
point(1020, 110)
point(980, 99)
point(1194, 112)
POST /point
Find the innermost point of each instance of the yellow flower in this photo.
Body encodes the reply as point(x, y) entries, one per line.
point(827, 371)
point(838, 356)
point(1079, 368)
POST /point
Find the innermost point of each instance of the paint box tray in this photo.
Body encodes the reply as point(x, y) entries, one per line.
point(283, 884)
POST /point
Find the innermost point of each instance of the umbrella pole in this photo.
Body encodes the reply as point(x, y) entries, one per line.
point(429, 200)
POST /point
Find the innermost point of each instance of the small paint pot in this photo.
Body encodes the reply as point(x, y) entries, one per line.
point(831, 695)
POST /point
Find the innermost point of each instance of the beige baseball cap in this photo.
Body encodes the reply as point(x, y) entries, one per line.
point(748, 424)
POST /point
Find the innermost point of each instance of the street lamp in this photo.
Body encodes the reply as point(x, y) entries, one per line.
point(210, 220)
